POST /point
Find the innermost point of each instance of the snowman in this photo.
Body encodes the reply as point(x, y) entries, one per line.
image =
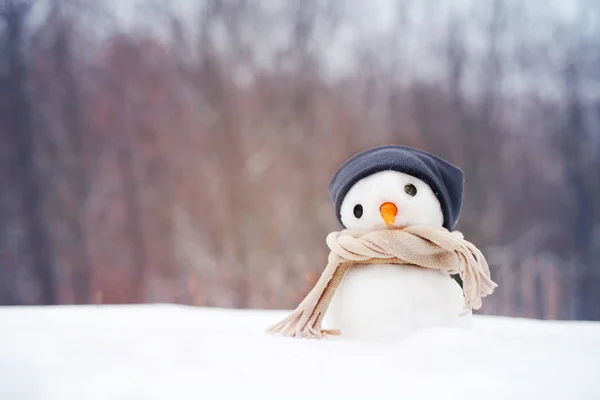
point(389, 273)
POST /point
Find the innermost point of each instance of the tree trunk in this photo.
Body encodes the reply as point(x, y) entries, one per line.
point(22, 168)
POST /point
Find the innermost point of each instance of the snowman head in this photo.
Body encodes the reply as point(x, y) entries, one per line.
point(396, 186)
point(390, 199)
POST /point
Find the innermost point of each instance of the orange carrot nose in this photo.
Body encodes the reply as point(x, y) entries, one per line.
point(388, 212)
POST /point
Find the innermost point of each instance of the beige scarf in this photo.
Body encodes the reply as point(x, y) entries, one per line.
point(421, 246)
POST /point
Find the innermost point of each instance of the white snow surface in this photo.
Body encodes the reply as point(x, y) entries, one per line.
point(178, 352)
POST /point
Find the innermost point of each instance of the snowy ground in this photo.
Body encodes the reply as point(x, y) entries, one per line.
point(175, 352)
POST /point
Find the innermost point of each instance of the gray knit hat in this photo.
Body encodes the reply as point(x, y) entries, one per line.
point(445, 179)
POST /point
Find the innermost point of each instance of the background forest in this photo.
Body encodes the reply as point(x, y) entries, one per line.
point(180, 151)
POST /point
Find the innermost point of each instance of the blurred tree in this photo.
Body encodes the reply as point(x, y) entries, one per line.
point(574, 145)
point(72, 157)
point(19, 140)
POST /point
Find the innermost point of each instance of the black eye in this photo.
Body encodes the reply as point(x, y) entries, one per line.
point(358, 211)
point(411, 190)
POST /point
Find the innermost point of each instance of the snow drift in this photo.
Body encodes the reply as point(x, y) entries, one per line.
point(177, 352)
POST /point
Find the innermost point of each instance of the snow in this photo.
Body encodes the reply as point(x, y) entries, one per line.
point(178, 352)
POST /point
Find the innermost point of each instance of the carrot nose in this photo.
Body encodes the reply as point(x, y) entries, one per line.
point(388, 212)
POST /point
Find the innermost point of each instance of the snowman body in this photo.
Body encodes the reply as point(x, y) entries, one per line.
point(389, 301)
point(382, 302)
